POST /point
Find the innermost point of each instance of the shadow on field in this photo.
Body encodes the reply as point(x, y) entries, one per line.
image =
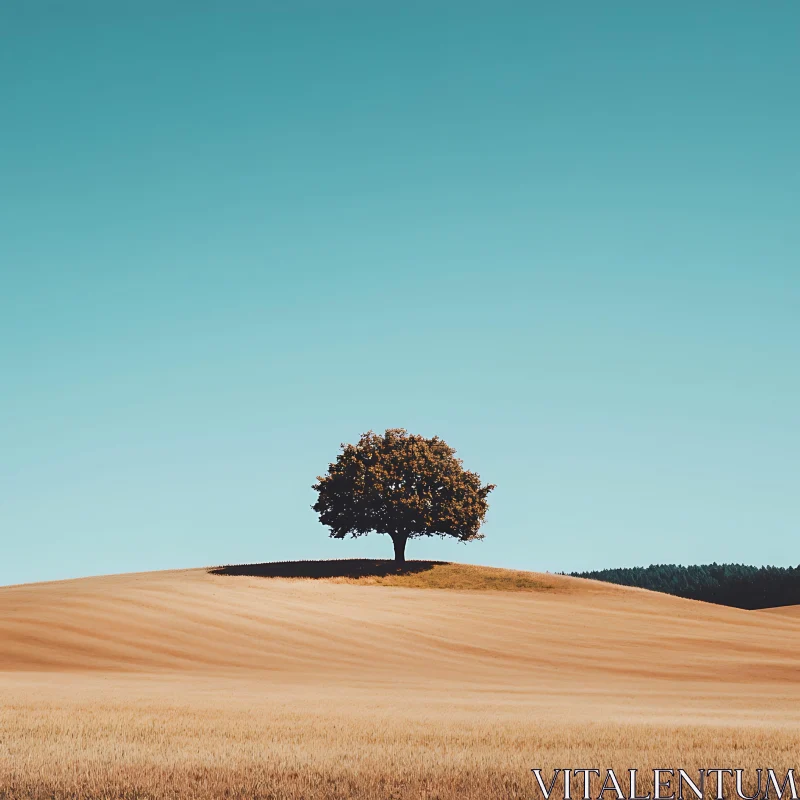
point(335, 568)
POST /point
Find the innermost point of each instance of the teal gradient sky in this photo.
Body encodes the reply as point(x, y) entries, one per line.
point(564, 237)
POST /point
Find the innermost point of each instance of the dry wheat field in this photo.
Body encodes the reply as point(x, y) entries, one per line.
point(451, 682)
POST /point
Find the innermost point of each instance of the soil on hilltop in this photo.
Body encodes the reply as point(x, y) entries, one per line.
point(411, 574)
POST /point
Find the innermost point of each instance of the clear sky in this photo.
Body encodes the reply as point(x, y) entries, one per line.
point(564, 237)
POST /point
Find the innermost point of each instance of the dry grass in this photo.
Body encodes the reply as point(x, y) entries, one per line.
point(279, 749)
point(458, 576)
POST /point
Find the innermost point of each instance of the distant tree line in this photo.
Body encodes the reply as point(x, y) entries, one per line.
point(726, 584)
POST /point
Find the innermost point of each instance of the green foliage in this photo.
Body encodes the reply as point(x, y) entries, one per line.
point(725, 584)
point(403, 485)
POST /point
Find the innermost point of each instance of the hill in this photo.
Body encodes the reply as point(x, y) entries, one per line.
point(789, 611)
point(324, 681)
point(318, 624)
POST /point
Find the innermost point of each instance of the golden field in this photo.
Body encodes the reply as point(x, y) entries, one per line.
point(195, 684)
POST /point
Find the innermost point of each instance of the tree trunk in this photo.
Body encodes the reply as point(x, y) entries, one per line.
point(399, 541)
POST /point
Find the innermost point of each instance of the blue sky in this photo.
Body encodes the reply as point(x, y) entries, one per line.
point(235, 235)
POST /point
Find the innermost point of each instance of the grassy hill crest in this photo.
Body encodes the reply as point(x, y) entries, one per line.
point(413, 574)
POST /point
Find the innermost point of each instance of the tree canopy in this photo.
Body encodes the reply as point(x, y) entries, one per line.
point(403, 485)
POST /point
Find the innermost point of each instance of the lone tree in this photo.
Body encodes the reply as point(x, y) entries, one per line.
point(404, 485)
